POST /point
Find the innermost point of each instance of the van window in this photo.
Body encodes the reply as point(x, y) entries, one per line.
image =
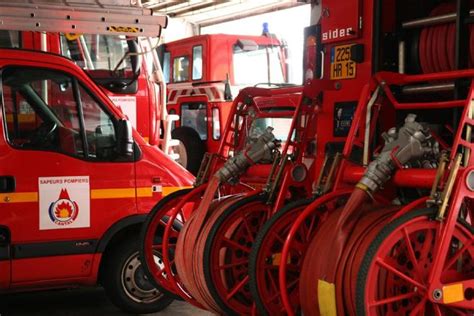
point(42, 112)
point(98, 127)
point(166, 66)
point(197, 62)
point(181, 69)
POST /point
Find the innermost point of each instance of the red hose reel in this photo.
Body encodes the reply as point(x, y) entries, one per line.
point(436, 49)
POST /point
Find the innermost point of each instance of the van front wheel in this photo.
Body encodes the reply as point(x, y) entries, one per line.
point(126, 283)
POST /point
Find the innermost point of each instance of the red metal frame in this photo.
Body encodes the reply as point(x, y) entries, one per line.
point(348, 173)
point(328, 199)
point(260, 100)
point(430, 281)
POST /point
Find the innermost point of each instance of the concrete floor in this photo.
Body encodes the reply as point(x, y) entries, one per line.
point(89, 302)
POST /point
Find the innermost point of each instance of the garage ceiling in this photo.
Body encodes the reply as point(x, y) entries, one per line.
point(198, 12)
point(206, 12)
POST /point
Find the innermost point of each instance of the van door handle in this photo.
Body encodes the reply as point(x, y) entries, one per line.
point(4, 238)
point(7, 184)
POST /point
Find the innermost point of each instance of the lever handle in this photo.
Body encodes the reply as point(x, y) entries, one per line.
point(7, 184)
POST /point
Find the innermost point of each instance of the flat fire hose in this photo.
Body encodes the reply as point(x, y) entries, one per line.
point(410, 143)
point(191, 240)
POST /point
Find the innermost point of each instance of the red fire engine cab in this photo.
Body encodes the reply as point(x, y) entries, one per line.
point(76, 181)
point(204, 73)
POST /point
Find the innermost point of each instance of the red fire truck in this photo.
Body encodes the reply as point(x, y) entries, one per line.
point(76, 181)
point(125, 67)
point(203, 73)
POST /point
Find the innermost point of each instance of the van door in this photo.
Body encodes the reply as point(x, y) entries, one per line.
point(71, 185)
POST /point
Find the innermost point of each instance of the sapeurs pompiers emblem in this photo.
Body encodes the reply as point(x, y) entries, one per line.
point(64, 211)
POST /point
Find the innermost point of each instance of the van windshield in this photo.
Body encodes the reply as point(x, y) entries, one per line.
point(263, 65)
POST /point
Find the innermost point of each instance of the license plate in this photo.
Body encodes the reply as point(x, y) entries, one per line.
point(342, 67)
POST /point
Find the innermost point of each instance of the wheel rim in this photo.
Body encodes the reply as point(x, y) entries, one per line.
point(166, 248)
point(325, 205)
point(394, 285)
point(154, 244)
point(135, 283)
point(268, 260)
point(228, 256)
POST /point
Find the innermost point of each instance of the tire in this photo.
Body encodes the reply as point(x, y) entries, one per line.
point(194, 148)
point(145, 228)
point(376, 244)
point(125, 283)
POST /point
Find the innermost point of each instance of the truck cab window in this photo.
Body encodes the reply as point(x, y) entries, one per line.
point(42, 113)
point(98, 52)
point(276, 65)
point(194, 115)
point(281, 127)
point(111, 60)
point(197, 62)
point(181, 69)
point(216, 124)
point(166, 66)
point(9, 39)
point(257, 65)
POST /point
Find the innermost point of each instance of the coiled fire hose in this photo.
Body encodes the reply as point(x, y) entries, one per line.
point(189, 254)
point(436, 46)
point(411, 143)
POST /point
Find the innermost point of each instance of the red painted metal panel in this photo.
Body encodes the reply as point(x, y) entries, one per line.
point(340, 20)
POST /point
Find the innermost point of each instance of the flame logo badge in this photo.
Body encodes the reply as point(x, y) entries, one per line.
point(64, 211)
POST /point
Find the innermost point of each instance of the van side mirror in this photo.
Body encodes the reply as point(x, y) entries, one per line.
point(124, 138)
